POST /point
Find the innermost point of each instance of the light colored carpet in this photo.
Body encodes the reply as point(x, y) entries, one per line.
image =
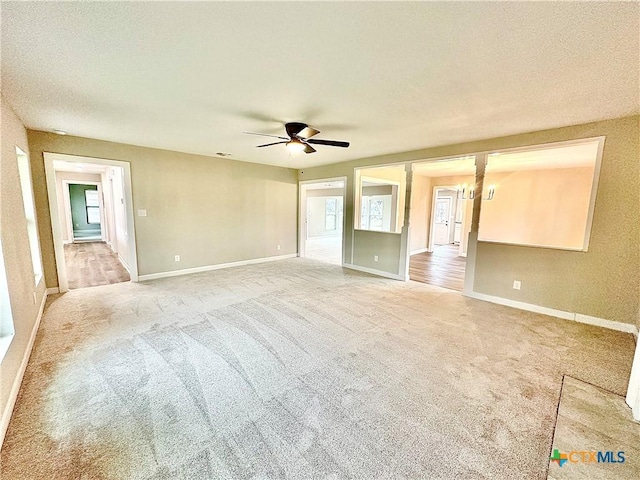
point(591, 419)
point(296, 369)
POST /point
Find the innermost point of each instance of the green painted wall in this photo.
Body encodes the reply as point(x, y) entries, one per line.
point(79, 208)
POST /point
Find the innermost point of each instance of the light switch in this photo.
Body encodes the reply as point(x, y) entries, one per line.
point(142, 213)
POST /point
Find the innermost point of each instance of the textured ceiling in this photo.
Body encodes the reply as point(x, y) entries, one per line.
point(388, 77)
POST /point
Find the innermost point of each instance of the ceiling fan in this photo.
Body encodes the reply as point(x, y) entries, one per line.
point(299, 138)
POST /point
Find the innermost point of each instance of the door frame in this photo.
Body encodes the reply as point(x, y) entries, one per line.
point(67, 207)
point(432, 221)
point(56, 228)
point(302, 212)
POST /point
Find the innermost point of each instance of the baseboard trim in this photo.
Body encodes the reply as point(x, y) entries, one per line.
point(420, 250)
point(124, 264)
point(17, 382)
point(53, 290)
point(208, 268)
point(552, 312)
point(603, 322)
point(373, 271)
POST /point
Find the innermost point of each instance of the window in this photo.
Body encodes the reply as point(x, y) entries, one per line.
point(330, 210)
point(372, 217)
point(93, 206)
point(6, 319)
point(24, 172)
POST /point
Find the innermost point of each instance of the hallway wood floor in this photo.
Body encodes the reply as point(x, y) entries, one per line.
point(443, 267)
point(90, 264)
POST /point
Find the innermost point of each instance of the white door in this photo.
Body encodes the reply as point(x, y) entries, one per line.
point(441, 221)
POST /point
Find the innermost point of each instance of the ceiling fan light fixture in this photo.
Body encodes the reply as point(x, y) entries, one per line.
point(295, 146)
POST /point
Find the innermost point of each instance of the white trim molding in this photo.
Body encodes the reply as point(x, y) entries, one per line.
point(420, 250)
point(552, 312)
point(56, 227)
point(372, 271)
point(633, 391)
point(17, 382)
point(208, 268)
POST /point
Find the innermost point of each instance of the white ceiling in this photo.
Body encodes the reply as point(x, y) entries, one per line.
point(386, 76)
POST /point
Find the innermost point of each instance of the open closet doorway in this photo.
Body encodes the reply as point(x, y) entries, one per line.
point(322, 220)
point(92, 220)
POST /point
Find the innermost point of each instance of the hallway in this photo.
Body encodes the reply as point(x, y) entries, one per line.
point(90, 264)
point(443, 267)
point(325, 249)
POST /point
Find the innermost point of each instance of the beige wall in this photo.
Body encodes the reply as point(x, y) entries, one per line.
point(603, 282)
point(207, 210)
point(421, 194)
point(386, 246)
point(17, 257)
point(538, 207)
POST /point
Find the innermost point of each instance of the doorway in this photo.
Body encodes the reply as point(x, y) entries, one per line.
point(322, 220)
point(84, 210)
point(441, 210)
point(92, 220)
point(446, 217)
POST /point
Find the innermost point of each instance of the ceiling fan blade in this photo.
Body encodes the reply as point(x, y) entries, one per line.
point(269, 144)
point(266, 135)
point(332, 143)
point(309, 149)
point(294, 128)
point(308, 132)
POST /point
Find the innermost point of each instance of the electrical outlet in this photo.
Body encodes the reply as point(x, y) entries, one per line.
point(278, 247)
point(375, 258)
point(177, 258)
point(517, 284)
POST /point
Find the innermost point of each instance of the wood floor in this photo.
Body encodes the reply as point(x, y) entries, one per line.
point(443, 267)
point(90, 264)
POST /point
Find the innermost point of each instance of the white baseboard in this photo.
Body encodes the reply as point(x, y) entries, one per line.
point(552, 312)
point(420, 250)
point(603, 322)
point(373, 271)
point(53, 290)
point(17, 382)
point(208, 268)
point(124, 264)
